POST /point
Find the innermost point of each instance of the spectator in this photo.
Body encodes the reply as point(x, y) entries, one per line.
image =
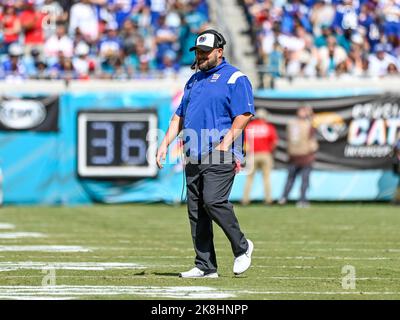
point(42, 73)
point(55, 11)
point(60, 41)
point(165, 39)
point(330, 56)
point(157, 8)
point(120, 71)
point(113, 65)
point(105, 16)
point(83, 65)
point(111, 43)
point(83, 17)
point(321, 15)
point(12, 67)
point(201, 7)
point(269, 35)
point(124, 9)
point(192, 23)
point(172, 17)
point(380, 61)
point(392, 70)
point(302, 146)
point(261, 139)
point(32, 22)
point(55, 15)
point(295, 13)
point(322, 39)
point(141, 59)
point(145, 69)
point(130, 36)
point(301, 61)
point(391, 15)
point(365, 23)
point(169, 68)
point(142, 18)
point(275, 64)
point(354, 60)
point(88, 19)
point(346, 17)
point(31, 63)
point(11, 25)
point(63, 69)
point(342, 70)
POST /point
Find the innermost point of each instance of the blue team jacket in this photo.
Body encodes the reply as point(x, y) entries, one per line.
point(211, 101)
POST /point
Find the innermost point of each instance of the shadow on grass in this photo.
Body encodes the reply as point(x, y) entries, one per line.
point(166, 274)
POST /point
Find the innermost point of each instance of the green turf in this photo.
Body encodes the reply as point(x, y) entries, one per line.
point(299, 253)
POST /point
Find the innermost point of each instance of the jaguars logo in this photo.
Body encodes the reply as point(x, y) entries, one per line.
point(329, 125)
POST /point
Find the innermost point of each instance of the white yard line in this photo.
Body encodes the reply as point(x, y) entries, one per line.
point(43, 248)
point(7, 226)
point(177, 249)
point(20, 235)
point(181, 292)
point(354, 249)
point(11, 297)
point(95, 266)
point(322, 292)
point(283, 258)
point(141, 248)
point(169, 277)
point(327, 258)
point(339, 242)
point(333, 278)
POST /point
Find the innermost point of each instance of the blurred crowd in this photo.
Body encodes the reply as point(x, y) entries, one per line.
point(107, 39)
point(326, 38)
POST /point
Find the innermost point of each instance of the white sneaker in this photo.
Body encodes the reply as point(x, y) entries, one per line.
point(197, 273)
point(282, 201)
point(243, 262)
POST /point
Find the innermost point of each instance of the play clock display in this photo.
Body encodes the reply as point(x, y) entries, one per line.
point(117, 143)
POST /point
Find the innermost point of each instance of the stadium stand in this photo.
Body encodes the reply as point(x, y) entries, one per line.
point(149, 39)
point(325, 38)
point(103, 39)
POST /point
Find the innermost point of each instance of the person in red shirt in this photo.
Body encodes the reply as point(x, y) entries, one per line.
point(261, 139)
point(32, 26)
point(11, 24)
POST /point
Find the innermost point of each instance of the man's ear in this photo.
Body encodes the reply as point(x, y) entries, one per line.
point(220, 52)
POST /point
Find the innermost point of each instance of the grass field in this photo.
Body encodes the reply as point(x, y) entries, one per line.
point(137, 251)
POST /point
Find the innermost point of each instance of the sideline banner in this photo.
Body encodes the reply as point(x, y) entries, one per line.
point(41, 167)
point(353, 132)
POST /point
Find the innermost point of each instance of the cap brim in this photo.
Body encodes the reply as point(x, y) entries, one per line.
point(204, 48)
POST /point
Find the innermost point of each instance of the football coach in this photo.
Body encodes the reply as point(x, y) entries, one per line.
point(216, 106)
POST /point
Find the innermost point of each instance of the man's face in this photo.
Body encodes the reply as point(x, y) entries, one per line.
point(302, 112)
point(207, 60)
point(60, 31)
point(380, 54)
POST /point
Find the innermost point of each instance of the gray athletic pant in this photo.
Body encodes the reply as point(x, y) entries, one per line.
point(305, 178)
point(208, 189)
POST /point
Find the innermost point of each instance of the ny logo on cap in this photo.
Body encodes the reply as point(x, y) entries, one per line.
point(202, 39)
